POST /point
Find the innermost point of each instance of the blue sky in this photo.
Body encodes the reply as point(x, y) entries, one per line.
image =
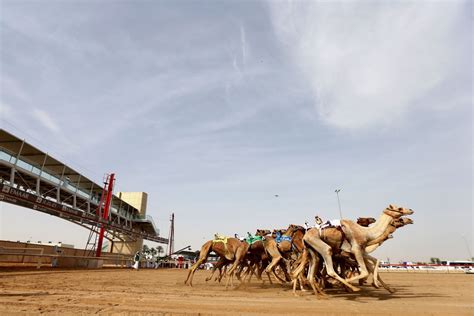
point(214, 107)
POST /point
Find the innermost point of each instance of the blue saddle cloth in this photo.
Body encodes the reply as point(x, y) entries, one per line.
point(279, 238)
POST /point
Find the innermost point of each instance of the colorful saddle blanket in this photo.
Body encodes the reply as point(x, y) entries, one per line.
point(279, 238)
point(223, 239)
point(220, 238)
point(253, 239)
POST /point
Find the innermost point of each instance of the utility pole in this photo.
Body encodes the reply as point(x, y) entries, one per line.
point(339, 202)
point(171, 236)
point(467, 247)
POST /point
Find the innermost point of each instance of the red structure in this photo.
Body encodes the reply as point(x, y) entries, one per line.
point(105, 215)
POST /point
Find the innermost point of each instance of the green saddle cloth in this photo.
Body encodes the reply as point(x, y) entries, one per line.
point(252, 239)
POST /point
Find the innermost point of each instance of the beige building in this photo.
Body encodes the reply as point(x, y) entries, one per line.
point(139, 201)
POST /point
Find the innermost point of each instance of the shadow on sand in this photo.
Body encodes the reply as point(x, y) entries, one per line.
point(23, 294)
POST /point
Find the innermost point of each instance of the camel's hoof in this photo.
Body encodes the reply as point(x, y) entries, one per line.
point(355, 289)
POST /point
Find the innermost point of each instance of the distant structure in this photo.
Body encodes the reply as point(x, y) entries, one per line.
point(139, 201)
point(33, 179)
point(171, 236)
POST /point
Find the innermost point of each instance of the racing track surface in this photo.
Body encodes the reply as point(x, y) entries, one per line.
point(162, 292)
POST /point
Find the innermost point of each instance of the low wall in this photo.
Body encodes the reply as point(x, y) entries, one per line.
point(28, 254)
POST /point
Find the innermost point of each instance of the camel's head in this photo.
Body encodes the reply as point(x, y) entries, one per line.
point(396, 211)
point(365, 221)
point(407, 220)
point(400, 222)
point(397, 223)
point(262, 232)
point(294, 228)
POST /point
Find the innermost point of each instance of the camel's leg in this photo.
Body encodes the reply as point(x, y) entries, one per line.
point(248, 274)
point(376, 271)
point(203, 254)
point(218, 265)
point(326, 252)
point(222, 273)
point(269, 278)
point(239, 271)
point(275, 259)
point(302, 281)
point(378, 278)
point(254, 271)
point(212, 274)
point(313, 268)
point(294, 286)
point(284, 267)
point(227, 282)
point(359, 255)
point(191, 273)
point(239, 256)
point(279, 279)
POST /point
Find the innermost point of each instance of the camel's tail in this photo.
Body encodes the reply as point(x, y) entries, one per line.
point(303, 262)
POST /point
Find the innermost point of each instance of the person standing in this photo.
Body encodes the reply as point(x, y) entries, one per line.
point(136, 259)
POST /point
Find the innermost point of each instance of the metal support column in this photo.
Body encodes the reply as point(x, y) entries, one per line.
point(106, 213)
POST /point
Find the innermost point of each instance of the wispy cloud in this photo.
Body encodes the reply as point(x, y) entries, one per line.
point(46, 120)
point(368, 65)
point(5, 110)
point(243, 43)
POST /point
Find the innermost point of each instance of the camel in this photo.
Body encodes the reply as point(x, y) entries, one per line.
point(335, 238)
point(230, 249)
point(365, 221)
point(358, 238)
point(270, 246)
point(292, 239)
point(371, 246)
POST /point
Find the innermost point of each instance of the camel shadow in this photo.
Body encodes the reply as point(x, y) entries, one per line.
point(401, 292)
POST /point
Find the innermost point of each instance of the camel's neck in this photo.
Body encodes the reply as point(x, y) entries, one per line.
point(298, 240)
point(390, 229)
point(379, 228)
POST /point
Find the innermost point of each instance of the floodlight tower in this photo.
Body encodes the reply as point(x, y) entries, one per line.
point(171, 236)
point(339, 202)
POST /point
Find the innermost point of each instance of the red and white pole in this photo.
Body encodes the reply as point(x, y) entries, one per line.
point(106, 213)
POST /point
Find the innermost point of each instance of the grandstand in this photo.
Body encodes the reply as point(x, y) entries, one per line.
point(33, 179)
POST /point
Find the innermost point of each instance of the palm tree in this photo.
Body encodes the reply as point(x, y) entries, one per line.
point(160, 250)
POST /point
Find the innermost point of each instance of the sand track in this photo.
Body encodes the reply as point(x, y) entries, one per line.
point(161, 292)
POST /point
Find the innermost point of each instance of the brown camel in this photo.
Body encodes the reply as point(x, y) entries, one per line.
point(358, 238)
point(365, 221)
point(270, 247)
point(231, 249)
point(282, 249)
